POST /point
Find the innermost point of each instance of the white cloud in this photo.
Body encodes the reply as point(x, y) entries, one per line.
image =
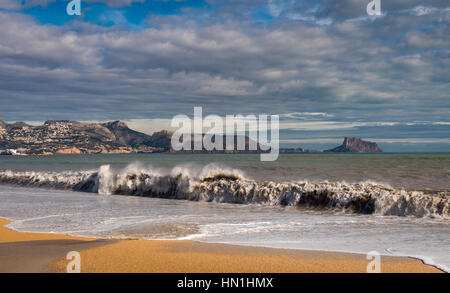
point(10, 4)
point(422, 10)
point(302, 115)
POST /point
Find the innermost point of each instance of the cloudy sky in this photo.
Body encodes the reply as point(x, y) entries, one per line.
point(326, 67)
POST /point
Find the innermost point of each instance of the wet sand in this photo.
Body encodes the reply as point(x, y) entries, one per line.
point(35, 252)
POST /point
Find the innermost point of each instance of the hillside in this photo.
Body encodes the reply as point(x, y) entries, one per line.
point(356, 145)
point(73, 137)
point(66, 136)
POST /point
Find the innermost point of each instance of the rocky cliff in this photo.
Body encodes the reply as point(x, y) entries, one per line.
point(356, 145)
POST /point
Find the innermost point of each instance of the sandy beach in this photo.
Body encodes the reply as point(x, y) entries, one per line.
point(36, 252)
point(33, 252)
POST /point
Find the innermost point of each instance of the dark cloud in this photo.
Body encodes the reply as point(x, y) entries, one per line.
point(390, 68)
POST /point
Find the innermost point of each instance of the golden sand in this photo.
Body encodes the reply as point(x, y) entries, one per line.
point(149, 256)
point(154, 256)
point(7, 235)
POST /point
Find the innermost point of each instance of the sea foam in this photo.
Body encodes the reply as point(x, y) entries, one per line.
point(215, 183)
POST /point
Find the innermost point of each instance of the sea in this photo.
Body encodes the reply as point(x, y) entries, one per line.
point(393, 203)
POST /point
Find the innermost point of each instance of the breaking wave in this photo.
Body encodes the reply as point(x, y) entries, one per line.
point(218, 184)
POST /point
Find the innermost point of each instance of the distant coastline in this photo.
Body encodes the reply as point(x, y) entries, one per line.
point(73, 137)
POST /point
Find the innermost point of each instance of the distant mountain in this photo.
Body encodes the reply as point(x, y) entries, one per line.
point(67, 136)
point(126, 136)
point(356, 145)
point(248, 145)
point(162, 139)
point(73, 137)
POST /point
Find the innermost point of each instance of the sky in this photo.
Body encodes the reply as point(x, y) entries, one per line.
point(325, 66)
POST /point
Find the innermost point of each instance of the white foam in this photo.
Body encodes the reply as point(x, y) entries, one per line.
point(219, 184)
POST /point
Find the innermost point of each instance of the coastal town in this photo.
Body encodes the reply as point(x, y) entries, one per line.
point(72, 137)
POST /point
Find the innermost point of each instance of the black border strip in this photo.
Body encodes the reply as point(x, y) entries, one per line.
point(358, 282)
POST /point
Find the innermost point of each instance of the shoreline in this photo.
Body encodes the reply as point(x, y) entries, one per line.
point(43, 252)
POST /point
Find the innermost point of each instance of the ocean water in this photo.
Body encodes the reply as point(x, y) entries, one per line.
point(396, 204)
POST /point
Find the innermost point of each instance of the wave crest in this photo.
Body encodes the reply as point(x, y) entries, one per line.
point(214, 183)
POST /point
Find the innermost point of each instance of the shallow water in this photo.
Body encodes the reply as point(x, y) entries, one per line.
point(86, 214)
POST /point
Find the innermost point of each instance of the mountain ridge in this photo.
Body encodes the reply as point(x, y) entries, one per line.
point(69, 136)
point(356, 145)
point(73, 137)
